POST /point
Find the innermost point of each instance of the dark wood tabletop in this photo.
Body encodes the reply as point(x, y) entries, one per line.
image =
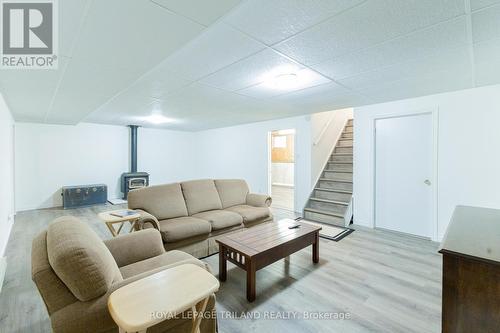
point(265, 237)
point(254, 248)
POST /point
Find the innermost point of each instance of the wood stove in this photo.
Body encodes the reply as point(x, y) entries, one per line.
point(133, 180)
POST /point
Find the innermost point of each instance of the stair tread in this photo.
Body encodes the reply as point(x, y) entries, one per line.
point(339, 162)
point(340, 171)
point(329, 201)
point(344, 146)
point(333, 190)
point(324, 212)
point(341, 154)
point(336, 180)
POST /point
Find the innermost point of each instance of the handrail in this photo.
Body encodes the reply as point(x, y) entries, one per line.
point(323, 130)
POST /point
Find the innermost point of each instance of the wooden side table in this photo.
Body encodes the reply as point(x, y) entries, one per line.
point(111, 220)
point(169, 293)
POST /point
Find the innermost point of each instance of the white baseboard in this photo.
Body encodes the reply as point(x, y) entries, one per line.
point(3, 268)
point(283, 185)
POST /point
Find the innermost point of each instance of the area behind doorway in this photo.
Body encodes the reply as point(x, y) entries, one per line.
point(282, 168)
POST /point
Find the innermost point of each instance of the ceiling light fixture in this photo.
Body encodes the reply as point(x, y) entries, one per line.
point(285, 81)
point(157, 119)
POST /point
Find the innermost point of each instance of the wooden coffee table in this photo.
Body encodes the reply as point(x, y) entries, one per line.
point(254, 248)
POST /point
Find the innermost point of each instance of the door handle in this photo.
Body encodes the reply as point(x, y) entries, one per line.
point(427, 182)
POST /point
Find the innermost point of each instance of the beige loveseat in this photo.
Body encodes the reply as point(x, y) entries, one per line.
point(75, 272)
point(191, 214)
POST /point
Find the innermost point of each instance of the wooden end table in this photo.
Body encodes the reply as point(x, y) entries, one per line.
point(167, 293)
point(111, 220)
point(254, 248)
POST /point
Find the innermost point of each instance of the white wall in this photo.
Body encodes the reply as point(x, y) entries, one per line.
point(51, 156)
point(326, 128)
point(6, 175)
point(242, 152)
point(168, 156)
point(468, 162)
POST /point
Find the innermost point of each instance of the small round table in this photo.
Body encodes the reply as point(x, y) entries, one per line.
point(110, 220)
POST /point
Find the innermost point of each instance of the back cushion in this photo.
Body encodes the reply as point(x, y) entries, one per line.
point(162, 201)
point(201, 195)
point(80, 258)
point(54, 292)
point(232, 192)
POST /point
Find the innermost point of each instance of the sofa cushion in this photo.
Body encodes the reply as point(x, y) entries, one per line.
point(201, 195)
point(180, 228)
point(80, 258)
point(170, 258)
point(162, 201)
point(232, 192)
point(220, 219)
point(250, 213)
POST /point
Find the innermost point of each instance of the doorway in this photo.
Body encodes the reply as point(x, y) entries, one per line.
point(282, 168)
point(404, 169)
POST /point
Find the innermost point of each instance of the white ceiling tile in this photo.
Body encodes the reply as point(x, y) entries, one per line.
point(366, 25)
point(29, 92)
point(199, 99)
point(486, 24)
point(434, 83)
point(204, 12)
point(139, 44)
point(478, 4)
point(71, 15)
point(251, 70)
point(305, 78)
point(322, 98)
point(272, 21)
point(218, 46)
point(434, 39)
point(450, 60)
point(110, 57)
point(487, 62)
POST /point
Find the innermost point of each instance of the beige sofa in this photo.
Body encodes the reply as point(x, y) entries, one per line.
point(75, 272)
point(189, 215)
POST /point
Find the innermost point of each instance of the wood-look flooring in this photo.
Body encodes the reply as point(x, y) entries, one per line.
point(386, 282)
point(283, 197)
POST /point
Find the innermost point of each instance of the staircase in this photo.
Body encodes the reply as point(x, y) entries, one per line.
point(331, 198)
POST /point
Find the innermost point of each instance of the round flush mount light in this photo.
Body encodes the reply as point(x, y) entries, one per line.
point(285, 81)
point(157, 119)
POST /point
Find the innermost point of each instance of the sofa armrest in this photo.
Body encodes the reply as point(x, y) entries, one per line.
point(259, 200)
point(146, 221)
point(136, 246)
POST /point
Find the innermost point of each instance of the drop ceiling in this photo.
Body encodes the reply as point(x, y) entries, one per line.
point(203, 64)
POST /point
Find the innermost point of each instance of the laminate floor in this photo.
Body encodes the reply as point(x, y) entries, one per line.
point(282, 197)
point(376, 280)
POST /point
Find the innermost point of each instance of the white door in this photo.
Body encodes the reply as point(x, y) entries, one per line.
point(403, 174)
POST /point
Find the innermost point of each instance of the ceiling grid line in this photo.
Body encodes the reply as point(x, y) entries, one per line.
point(468, 13)
point(71, 51)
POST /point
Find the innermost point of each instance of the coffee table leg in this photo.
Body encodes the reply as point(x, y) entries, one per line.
point(315, 246)
point(250, 279)
point(222, 263)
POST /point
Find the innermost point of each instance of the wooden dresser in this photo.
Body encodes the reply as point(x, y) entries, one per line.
point(471, 271)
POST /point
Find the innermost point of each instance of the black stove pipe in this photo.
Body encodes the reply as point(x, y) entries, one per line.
point(133, 147)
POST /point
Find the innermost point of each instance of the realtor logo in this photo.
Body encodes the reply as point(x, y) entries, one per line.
point(29, 39)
